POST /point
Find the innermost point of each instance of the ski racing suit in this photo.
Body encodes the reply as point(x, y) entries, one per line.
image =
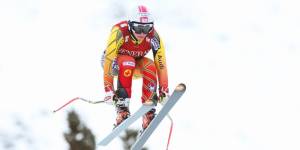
point(124, 57)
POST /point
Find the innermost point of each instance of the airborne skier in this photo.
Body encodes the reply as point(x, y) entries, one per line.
point(124, 57)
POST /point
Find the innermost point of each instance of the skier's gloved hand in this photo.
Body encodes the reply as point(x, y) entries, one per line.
point(163, 95)
point(109, 97)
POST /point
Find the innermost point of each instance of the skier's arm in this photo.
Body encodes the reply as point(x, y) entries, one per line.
point(114, 42)
point(160, 62)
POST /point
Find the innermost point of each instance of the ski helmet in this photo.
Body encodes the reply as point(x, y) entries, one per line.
point(141, 20)
point(141, 15)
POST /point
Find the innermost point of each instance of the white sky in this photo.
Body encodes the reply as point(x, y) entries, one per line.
point(239, 59)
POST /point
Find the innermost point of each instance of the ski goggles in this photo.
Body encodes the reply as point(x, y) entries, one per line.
point(139, 28)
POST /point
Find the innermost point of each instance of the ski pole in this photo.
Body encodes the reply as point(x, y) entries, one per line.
point(170, 132)
point(77, 98)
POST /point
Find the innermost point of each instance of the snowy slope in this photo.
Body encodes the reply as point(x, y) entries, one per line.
point(239, 59)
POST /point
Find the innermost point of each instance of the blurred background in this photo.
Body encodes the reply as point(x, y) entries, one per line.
point(240, 60)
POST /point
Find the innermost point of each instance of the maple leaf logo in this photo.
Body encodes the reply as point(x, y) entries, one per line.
point(127, 73)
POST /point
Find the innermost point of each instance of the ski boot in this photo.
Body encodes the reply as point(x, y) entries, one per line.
point(151, 101)
point(122, 108)
point(147, 118)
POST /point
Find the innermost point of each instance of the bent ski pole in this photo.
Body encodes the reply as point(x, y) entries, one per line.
point(170, 132)
point(77, 98)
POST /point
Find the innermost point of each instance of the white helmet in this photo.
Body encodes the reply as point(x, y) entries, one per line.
point(141, 15)
point(141, 20)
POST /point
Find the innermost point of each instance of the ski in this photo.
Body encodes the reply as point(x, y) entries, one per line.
point(178, 92)
point(125, 124)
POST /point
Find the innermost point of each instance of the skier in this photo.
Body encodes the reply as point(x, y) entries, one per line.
point(124, 57)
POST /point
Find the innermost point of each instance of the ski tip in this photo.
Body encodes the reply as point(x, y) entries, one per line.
point(180, 87)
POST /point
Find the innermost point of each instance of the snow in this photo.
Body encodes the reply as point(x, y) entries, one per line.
point(239, 59)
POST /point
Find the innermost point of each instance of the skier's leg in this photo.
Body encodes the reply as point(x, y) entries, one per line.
point(149, 95)
point(123, 93)
point(148, 70)
point(126, 67)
